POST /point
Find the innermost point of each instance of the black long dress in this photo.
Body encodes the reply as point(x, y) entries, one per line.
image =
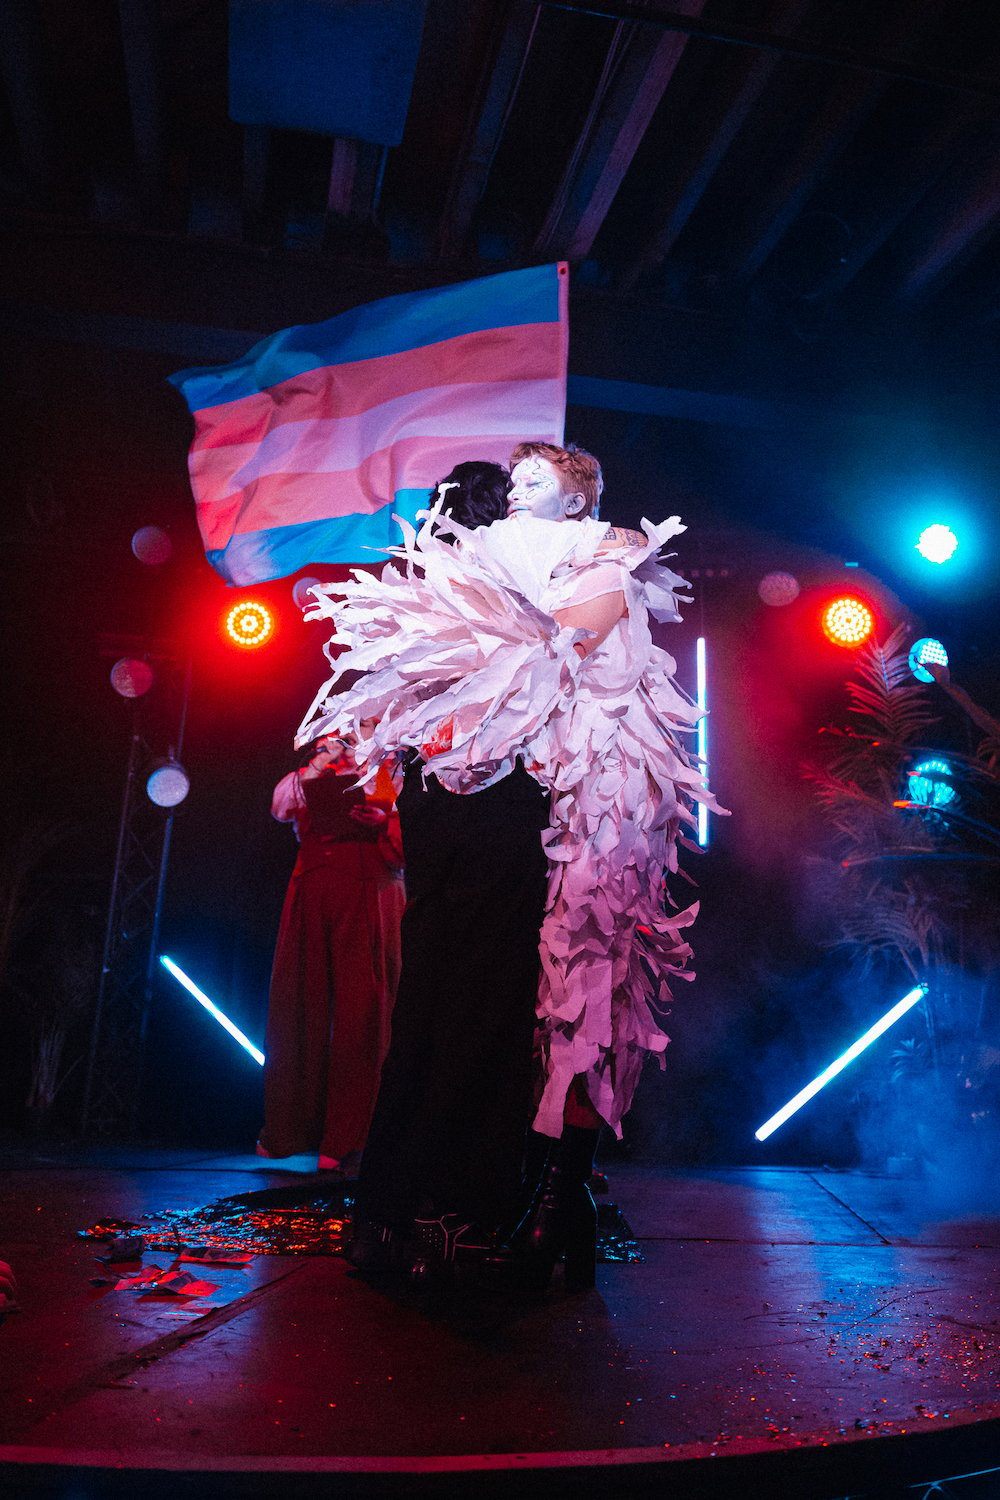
point(455, 1098)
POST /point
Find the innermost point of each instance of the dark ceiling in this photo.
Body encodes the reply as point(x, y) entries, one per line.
point(781, 217)
point(808, 157)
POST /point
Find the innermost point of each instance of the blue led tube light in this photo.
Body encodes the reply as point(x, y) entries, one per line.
point(701, 699)
point(855, 1050)
point(212, 1008)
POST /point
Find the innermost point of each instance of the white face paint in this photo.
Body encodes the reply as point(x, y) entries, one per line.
point(536, 490)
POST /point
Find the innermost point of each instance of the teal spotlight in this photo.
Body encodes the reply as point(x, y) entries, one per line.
point(923, 651)
point(937, 543)
point(930, 784)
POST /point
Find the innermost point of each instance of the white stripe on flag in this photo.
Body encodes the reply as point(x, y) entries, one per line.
point(332, 445)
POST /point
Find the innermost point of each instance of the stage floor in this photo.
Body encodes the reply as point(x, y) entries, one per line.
point(777, 1309)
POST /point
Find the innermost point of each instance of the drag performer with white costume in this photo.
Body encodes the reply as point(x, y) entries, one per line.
point(527, 648)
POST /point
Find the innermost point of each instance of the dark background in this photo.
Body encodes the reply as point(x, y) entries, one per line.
point(783, 328)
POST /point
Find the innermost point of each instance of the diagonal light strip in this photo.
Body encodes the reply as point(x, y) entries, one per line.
point(212, 1008)
point(855, 1050)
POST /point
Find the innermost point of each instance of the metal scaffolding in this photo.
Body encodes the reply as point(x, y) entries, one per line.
point(112, 1087)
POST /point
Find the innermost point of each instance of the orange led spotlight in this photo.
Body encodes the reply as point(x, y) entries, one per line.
point(248, 625)
point(847, 622)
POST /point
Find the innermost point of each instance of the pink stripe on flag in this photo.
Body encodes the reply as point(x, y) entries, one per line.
point(289, 499)
point(339, 445)
point(530, 351)
point(299, 432)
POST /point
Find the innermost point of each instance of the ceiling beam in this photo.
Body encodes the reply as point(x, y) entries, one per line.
point(505, 59)
point(968, 216)
point(142, 46)
point(841, 114)
point(691, 176)
point(203, 301)
point(782, 46)
point(356, 169)
point(201, 343)
point(901, 190)
point(25, 69)
point(641, 63)
point(256, 167)
point(353, 189)
point(848, 103)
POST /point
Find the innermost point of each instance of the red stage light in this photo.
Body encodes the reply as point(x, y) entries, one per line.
point(847, 622)
point(249, 624)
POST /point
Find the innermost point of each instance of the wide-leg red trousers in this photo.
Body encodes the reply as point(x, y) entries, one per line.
point(336, 968)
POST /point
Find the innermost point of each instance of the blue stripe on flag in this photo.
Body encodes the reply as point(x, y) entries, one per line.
point(256, 556)
point(390, 326)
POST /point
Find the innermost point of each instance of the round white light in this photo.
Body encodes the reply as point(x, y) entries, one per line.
point(130, 677)
point(152, 546)
point(937, 543)
point(167, 784)
point(302, 592)
point(778, 588)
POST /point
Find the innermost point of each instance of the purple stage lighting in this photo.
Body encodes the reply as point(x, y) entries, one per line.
point(131, 677)
point(152, 546)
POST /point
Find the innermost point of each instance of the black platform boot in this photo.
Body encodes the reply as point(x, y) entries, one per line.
point(375, 1246)
point(563, 1220)
point(443, 1244)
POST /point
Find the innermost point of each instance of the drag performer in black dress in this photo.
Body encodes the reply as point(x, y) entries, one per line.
point(443, 1160)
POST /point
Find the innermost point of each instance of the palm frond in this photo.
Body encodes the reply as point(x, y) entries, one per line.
point(887, 694)
point(875, 918)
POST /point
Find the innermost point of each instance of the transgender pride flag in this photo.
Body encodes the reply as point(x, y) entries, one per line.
point(306, 448)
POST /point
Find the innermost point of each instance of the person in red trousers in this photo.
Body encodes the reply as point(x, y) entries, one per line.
point(336, 962)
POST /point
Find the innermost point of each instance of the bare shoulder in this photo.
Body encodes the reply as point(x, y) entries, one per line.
point(622, 536)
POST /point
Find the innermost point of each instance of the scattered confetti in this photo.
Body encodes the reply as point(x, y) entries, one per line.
point(294, 1221)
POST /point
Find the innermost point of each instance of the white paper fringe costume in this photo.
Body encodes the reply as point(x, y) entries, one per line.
point(465, 633)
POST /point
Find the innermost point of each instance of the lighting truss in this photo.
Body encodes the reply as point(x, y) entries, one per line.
point(112, 1088)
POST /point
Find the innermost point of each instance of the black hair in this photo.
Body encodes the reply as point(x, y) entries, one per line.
point(308, 751)
point(481, 495)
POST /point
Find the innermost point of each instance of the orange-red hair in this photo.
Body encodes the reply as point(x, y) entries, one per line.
point(579, 471)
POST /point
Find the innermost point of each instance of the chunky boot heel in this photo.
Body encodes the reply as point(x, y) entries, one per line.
point(563, 1219)
point(580, 1269)
point(374, 1246)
